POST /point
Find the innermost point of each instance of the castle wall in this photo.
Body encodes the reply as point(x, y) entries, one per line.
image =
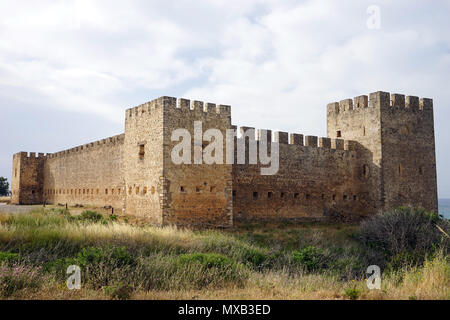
point(317, 178)
point(91, 174)
point(196, 194)
point(143, 161)
point(379, 154)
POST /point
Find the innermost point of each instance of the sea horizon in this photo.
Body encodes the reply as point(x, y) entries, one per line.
point(444, 207)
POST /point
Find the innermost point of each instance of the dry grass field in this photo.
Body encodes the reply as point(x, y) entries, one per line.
point(121, 259)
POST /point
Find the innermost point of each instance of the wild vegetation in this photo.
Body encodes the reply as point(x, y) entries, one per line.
point(4, 187)
point(120, 260)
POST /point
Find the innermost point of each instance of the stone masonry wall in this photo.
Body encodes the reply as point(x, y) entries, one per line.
point(396, 135)
point(409, 161)
point(317, 178)
point(143, 161)
point(27, 182)
point(197, 194)
point(91, 174)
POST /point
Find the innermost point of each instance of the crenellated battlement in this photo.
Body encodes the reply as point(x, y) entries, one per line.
point(170, 104)
point(31, 155)
point(296, 139)
point(385, 100)
point(114, 140)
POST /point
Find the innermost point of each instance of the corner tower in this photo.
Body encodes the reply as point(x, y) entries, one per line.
point(396, 140)
point(27, 178)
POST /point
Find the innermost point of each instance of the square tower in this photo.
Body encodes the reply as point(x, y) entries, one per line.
point(27, 178)
point(395, 135)
point(164, 192)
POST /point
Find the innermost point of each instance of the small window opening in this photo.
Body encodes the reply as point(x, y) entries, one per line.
point(366, 171)
point(323, 196)
point(106, 191)
point(339, 133)
point(345, 197)
point(296, 195)
point(269, 195)
point(334, 197)
point(130, 190)
point(153, 190)
point(141, 151)
point(355, 198)
point(145, 190)
point(234, 193)
point(400, 170)
point(255, 195)
point(282, 195)
point(197, 189)
point(308, 196)
point(137, 190)
point(420, 170)
point(212, 189)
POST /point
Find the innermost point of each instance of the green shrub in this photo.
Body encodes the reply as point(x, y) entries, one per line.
point(404, 235)
point(255, 257)
point(119, 292)
point(8, 257)
point(207, 260)
point(121, 256)
point(311, 258)
point(352, 293)
point(91, 216)
point(89, 256)
point(58, 267)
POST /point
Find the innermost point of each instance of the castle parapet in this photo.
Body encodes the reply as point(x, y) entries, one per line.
point(118, 139)
point(30, 155)
point(385, 100)
point(170, 104)
point(294, 139)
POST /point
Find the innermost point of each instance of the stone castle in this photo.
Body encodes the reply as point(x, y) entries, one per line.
point(379, 154)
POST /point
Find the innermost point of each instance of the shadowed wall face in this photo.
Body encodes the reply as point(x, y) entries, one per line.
point(396, 137)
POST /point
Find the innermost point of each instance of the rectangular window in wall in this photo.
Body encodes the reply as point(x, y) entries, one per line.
point(141, 151)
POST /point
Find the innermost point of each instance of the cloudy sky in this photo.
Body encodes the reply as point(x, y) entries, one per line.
point(69, 69)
